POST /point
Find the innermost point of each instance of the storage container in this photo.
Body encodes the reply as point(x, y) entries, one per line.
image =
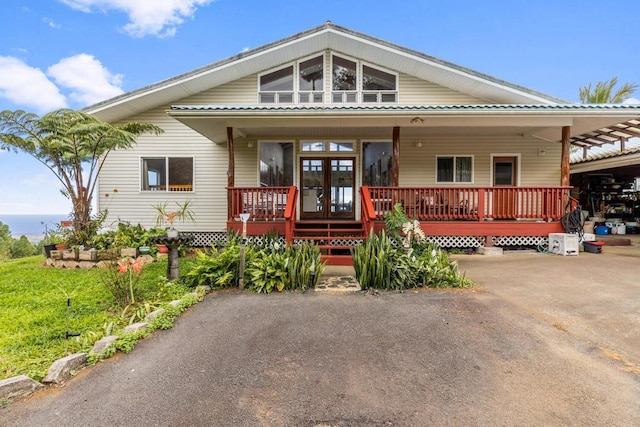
point(602, 229)
point(593, 247)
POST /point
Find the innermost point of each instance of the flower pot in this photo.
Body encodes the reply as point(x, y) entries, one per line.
point(48, 249)
point(61, 246)
point(162, 249)
point(172, 233)
point(144, 250)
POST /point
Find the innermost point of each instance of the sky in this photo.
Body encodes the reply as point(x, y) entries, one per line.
point(73, 53)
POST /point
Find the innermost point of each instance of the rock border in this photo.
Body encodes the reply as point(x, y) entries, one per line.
point(63, 369)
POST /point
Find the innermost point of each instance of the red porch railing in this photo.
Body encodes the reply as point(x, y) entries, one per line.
point(264, 204)
point(467, 203)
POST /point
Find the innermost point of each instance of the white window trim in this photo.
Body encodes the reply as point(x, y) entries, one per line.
point(166, 165)
point(473, 169)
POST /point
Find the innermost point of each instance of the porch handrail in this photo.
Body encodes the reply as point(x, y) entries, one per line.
point(290, 213)
point(472, 203)
point(368, 213)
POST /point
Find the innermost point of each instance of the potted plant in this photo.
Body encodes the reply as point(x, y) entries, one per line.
point(169, 215)
point(54, 240)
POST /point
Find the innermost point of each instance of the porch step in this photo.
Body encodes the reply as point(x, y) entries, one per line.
point(334, 238)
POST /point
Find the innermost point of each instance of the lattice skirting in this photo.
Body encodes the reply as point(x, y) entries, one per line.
point(204, 239)
point(520, 240)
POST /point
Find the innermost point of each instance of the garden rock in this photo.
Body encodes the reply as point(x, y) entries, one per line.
point(175, 303)
point(61, 369)
point(135, 327)
point(149, 317)
point(103, 344)
point(20, 385)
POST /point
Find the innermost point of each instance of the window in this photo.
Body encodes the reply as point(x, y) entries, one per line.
point(378, 85)
point(376, 164)
point(276, 164)
point(167, 174)
point(343, 81)
point(330, 145)
point(350, 78)
point(454, 169)
point(277, 87)
point(311, 81)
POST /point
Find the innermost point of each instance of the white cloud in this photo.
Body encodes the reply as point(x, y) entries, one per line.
point(51, 23)
point(86, 77)
point(158, 18)
point(632, 101)
point(28, 86)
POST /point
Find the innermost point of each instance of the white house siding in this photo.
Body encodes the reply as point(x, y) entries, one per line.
point(122, 172)
point(418, 165)
point(415, 91)
point(243, 91)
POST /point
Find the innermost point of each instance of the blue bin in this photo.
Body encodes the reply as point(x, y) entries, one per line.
point(601, 229)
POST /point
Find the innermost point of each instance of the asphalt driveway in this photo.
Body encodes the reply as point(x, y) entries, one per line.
point(528, 350)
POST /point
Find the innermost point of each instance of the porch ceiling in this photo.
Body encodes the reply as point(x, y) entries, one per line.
point(590, 125)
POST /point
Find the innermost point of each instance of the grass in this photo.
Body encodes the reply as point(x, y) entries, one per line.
point(33, 311)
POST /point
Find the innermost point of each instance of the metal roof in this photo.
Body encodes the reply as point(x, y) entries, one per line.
point(620, 128)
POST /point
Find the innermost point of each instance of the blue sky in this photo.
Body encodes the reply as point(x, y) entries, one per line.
point(72, 53)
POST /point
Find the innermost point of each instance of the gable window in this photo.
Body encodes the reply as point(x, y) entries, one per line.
point(454, 169)
point(344, 80)
point(277, 87)
point(167, 174)
point(311, 81)
point(378, 85)
point(352, 80)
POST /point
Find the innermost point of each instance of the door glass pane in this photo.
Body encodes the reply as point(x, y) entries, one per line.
point(312, 185)
point(341, 185)
point(503, 173)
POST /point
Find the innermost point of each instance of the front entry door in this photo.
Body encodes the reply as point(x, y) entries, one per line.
point(504, 175)
point(326, 185)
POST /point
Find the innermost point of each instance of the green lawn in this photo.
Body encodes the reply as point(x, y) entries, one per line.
point(33, 311)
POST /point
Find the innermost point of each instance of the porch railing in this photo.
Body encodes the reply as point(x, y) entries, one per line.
point(262, 203)
point(469, 203)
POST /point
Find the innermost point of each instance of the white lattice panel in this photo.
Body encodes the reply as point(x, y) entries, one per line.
point(519, 240)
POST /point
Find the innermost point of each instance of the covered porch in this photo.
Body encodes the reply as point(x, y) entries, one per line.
point(462, 216)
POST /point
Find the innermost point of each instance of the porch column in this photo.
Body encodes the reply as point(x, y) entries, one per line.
point(230, 170)
point(232, 167)
point(565, 178)
point(395, 165)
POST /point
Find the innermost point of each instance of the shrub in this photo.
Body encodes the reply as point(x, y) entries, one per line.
point(121, 279)
point(217, 269)
point(378, 264)
point(285, 268)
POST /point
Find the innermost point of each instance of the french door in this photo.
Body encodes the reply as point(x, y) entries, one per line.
point(326, 187)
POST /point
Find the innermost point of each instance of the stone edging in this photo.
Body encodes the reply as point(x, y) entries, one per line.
point(65, 368)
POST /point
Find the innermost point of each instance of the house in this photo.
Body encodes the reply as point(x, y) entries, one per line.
point(317, 135)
